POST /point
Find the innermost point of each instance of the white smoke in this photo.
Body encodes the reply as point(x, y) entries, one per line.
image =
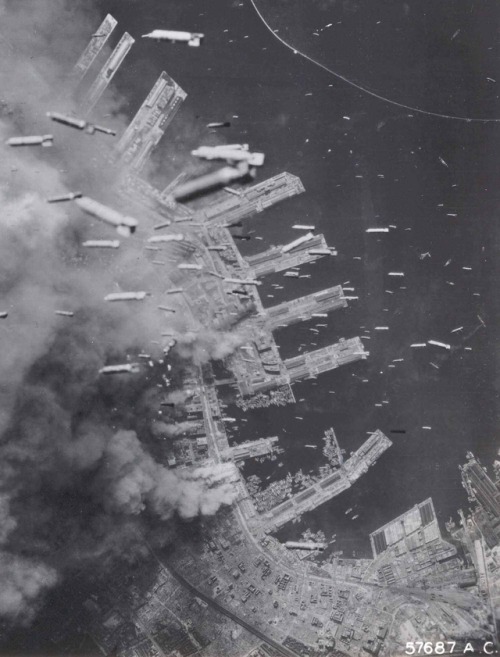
point(21, 583)
point(179, 397)
point(166, 430)
point(209, 344)
point(130, 481)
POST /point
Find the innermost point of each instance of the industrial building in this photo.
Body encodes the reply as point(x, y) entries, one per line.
point(485, 492)
point(405, 528)
point(480, 487)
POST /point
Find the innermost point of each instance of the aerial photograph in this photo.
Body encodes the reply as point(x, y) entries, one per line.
point(250, 328)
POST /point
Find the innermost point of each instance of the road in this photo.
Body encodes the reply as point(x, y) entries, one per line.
point(287, 652)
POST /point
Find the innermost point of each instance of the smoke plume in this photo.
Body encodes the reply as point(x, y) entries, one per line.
point(132, 481)
point(209, 344)
point(77, 481)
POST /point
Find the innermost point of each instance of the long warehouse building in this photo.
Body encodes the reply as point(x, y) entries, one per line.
point(273, 260)
point(94, 47)
point(107, 73)
point(149, 124)
point(327, 358)
point(303, 308)
point(251, 200)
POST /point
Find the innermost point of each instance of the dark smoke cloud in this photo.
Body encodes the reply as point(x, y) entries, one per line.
point(77, 483)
